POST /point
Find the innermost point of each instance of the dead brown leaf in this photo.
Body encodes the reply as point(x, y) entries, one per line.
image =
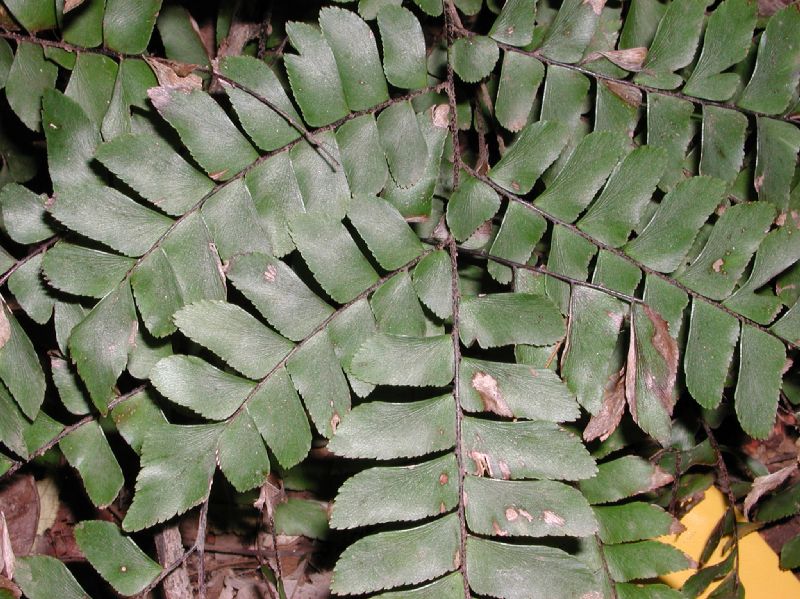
point(441, 116)
point(661, 385)
point(627, 93)
point(19, 502)
point(486, 386)
point(668, 348)
point(172, 75)
point(676, 527)
point(764, 484)
point(767, 8)
point(7, 558)
point(659, 478)
point(71, 4)
point(238, 35)
point(606, 421)
point(597, 5)
point(5, 327)
point(630, 59)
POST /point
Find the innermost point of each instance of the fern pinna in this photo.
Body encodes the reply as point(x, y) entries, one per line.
point(479, 250)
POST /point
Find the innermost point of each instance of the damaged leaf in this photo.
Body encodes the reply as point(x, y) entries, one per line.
point(651, 369)
point(764, 484)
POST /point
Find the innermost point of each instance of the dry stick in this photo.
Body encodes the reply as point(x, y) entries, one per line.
point(66, 431)
point(263, 33)
point(617, 252)
point(274, 536)
point(200, 543)
point(725, 483)
point(673, 500)
point(168, 544)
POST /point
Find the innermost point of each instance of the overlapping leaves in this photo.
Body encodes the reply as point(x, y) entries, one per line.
point(251, 259)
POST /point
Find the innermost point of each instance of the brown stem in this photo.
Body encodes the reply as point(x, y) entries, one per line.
point(545, 271)
point(320, 327)
point(35, 252)
point(617, 252)
point(66, 431)
point(200, 543)
point(725, 484)
point(612, 585)
point(645, 88)
point(456, 339)
point(450, 17)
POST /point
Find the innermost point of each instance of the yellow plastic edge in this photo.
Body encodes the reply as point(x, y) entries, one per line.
point(759, 571)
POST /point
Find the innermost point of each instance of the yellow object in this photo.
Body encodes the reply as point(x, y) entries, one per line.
point(758, 563)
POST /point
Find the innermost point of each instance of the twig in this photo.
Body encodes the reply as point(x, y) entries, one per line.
point(265, 504)
point(263, 33)
point(673, 500)
point(166, 540)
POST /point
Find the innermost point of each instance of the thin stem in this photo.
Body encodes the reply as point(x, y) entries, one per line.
point(67, 47)
point(455, 336)
point(200, 543)
point(267, 156)
point(319, 328)
point(612, 585)
point(617, 252)
point(725, 483)
point(270, 509)
point(450, 17)
point(35, 252)
point(334, 163)
point(645, 88)
point(66, 431)
point(545, 271)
